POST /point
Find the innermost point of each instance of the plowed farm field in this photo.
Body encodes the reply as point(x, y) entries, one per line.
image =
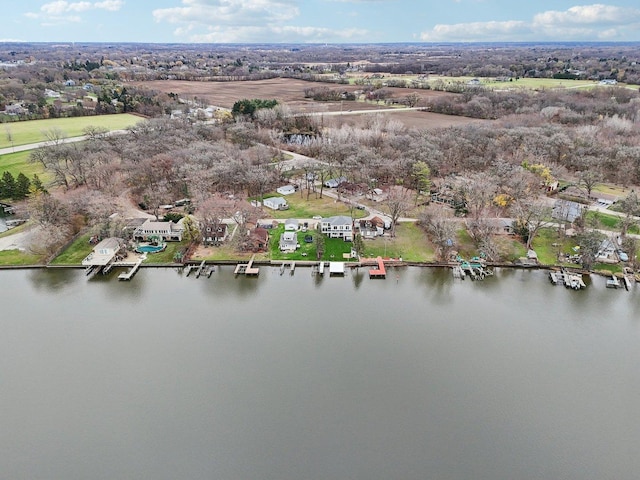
point(290, 91)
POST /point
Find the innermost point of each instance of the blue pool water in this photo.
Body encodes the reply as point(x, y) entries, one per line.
point(149, 248)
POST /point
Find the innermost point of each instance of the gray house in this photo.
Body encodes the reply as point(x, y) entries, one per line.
point(567, 211)
point(275, 203)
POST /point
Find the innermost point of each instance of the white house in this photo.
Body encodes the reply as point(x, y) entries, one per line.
point(286, 190)
point(338, 227)
point(275, 203)
point(167, 231)
point(288, 242)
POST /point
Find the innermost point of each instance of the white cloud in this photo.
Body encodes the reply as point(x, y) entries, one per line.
point(582, 22)
point(476, 31)
point(110, 5)
point(286, 34)
point(238, 21)
point(229, 12)
point(54, 12)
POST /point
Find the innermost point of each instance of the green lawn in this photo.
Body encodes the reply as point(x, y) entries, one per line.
point(299, 207)
point(17, 257)
point(33, 131)
point(410, 244)
point(605, 221)
point(15, 163)
point(74, 253)
point(168, 254)
point(334, 248)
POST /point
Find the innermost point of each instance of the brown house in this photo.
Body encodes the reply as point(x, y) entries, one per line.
point(257, 240)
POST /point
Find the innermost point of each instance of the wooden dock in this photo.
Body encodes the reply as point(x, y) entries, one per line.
point(568, 279)
point(200, 268)
point(247, 268)
point(380, 272)
point(132, 271)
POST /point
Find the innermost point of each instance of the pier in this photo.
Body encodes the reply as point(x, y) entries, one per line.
point(380, 272)
point(613, 282)
point(247, 268)
point(568, 279)
point(132, 271)
point(200, 268)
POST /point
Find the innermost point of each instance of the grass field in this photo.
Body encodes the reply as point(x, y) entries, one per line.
point(74, 253)
point(17, 257)
point(299, 207)
point(15, 163)
point(410, 244)
point(33, 131)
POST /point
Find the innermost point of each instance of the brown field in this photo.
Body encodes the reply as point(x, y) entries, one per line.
point(290, 91)
point(409, 118)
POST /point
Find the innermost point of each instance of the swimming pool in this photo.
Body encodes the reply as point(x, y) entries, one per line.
point(149, 248)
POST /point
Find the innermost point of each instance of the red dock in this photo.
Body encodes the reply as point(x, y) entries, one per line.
point(380, 272)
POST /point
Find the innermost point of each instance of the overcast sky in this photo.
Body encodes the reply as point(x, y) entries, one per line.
point(318, 21)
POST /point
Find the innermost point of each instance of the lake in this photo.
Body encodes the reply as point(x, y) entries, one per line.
point(418, 376)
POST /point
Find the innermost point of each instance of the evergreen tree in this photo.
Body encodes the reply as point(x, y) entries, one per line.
point(7, 185)
point(37, 185)
point(21, 190)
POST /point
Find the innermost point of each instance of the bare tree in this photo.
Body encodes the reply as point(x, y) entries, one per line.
point(441, 229)
point(398, 202)
point(530, 217)
point(630, 206)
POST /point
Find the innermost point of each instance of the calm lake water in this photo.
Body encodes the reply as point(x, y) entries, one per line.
point(294, 377)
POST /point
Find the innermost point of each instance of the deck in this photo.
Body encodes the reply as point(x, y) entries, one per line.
point(247, 268)
point(380, 272)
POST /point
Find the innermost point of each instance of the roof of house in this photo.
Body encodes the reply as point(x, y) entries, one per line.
point(567, 210)
point(292, 221)
point(111, 243)
point(289, 237)
point(153, 225)
point(338, 220)
point(260, 233)
point(275, 201)
point(286, 189)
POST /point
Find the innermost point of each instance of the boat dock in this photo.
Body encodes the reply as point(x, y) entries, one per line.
point(458, 272)
point(247, 268)
point(568, 279)
point(200, 268)
point(613, 282)
point(380, 272)
point(132, 271)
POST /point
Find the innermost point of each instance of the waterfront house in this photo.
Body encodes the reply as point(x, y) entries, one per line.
point(500, 226)
point(275, 203)
point(257, 240)
point(213, 232)
point(371, 228)
point(288, 242)
point(339, 226)
point(165, 231)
